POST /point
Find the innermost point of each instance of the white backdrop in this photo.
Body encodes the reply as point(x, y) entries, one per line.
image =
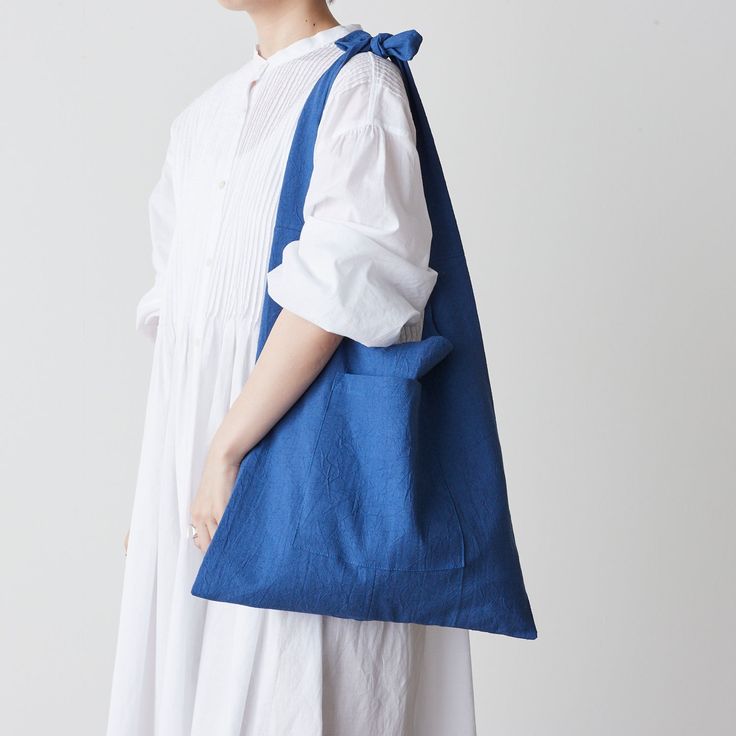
point(589, 147)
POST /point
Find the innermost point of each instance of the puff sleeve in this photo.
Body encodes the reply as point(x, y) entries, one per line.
point(162, 219)
point(360, 267)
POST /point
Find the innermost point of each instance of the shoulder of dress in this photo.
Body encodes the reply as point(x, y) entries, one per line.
point(368, 95)
point(372, 72)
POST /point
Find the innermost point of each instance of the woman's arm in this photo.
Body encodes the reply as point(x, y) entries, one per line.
point(293, 355)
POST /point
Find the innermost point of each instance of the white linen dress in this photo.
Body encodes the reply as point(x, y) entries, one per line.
point(185, 665)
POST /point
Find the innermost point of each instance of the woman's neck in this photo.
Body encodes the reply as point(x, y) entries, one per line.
point(279, 24)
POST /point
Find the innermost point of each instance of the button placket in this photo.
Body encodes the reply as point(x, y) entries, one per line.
point(221, 188)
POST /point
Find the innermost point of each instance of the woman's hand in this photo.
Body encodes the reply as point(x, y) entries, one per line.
point(215, 488)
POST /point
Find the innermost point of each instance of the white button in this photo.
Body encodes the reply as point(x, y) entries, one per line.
point(221, 184)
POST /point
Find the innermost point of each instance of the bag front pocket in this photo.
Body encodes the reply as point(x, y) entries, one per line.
point(374, 495)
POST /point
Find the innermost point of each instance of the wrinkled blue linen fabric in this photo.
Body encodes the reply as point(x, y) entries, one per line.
point(381, 493)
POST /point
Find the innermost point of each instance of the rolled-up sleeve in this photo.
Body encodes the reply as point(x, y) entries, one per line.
point(162, 220)
point(360, 266)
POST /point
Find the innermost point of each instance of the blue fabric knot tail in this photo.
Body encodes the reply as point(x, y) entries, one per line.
point(402, 45)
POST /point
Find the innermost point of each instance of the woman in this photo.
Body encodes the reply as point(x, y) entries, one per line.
point(185, 665)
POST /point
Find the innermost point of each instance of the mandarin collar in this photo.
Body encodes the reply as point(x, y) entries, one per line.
point(302, 46)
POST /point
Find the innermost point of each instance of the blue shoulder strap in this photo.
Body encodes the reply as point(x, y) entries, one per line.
point(400, 48)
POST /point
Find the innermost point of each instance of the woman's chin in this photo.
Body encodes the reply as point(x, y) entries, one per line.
point(240, 4)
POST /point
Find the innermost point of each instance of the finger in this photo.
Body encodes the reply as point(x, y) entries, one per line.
point(203, 537)
point(219, 511)
point(193, 533)
point(212, 527)
point(125, 542)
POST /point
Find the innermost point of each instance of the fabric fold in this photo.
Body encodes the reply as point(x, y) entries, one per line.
point(350, 284)
point(147, 313)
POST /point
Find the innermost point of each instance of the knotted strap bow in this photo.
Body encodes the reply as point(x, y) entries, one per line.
point(402, 45)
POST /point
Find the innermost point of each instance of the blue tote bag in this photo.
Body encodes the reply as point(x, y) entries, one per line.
point(381, 493)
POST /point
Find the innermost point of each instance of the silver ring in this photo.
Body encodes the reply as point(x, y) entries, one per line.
point(194, 533)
